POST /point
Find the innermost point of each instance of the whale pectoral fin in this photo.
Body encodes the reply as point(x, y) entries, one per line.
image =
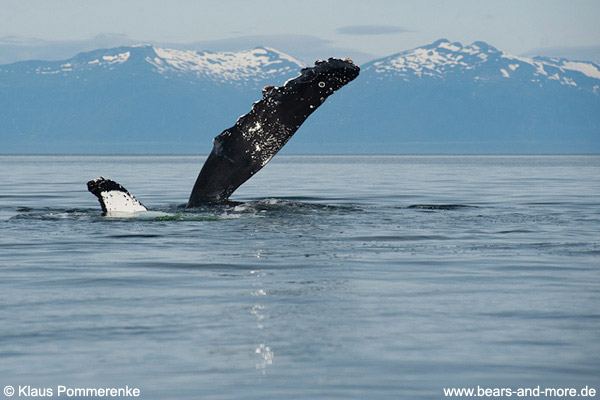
point(242, 150)
point(113, 197)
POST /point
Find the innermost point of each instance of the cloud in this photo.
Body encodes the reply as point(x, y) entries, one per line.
point(370, 30)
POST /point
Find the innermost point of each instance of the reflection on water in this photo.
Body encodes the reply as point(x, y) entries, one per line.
point(261, 313)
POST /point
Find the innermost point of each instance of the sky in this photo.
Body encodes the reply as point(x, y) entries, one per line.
point(304, 28)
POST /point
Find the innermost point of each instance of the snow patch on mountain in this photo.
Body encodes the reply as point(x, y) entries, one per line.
point(251, 65)
point(587, 69)
point(119, 58)
point(106, 60)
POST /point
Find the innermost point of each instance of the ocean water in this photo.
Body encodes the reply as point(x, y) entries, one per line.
point(340, 277)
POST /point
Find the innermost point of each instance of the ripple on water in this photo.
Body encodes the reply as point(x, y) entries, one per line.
point(391, 277)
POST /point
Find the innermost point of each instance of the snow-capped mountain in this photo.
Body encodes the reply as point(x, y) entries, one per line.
point(448, 98)
point(133, 99)
point(440, 98)
point(238, 68)
point(481, 62)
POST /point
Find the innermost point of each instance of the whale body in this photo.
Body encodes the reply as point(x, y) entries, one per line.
point(241, 151)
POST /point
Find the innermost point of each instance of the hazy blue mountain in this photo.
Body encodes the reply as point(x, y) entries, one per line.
point(132, 99)
point(18, 48)
point(450, 98)
point(590, 53)
point(440, 98)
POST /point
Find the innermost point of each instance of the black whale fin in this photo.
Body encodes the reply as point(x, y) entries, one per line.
point(242, 150)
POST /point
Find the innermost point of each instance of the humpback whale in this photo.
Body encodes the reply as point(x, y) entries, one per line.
point(241, 151)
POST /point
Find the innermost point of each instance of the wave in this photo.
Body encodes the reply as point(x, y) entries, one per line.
point(174, 213)
point(440, 206)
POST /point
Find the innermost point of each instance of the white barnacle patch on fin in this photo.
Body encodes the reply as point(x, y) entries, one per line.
point(117, 201)
point(253, 131)
point(114, 198)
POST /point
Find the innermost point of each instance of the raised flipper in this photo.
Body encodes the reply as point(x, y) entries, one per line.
point(113, 197)
point(242, 150)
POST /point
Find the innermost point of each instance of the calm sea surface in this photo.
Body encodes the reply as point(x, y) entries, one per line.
point(362, 277)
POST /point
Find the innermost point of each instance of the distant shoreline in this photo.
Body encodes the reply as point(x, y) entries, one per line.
point(306, 154)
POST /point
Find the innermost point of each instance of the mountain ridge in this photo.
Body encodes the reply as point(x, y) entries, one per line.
point(443, 53)
point(238, 67)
